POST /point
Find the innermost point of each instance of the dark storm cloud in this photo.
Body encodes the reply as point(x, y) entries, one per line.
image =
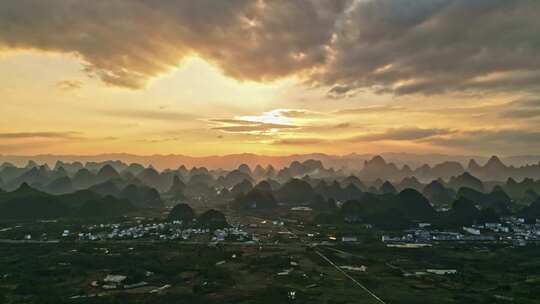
point(435, 46)
point(388, 46)
point(126, 42)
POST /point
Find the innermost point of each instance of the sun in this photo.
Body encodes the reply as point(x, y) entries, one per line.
point(271, 117)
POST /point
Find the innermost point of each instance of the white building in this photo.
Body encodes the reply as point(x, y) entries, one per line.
point(441, 271)
point(347, 239)
point(471, 230)
point(115, 279)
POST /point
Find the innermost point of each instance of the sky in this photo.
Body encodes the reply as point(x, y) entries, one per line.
point(269, 77)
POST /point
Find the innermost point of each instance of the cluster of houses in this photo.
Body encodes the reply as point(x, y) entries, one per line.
point(523, 231)
point(511, 229)
point(235, 233)
point(160, 231)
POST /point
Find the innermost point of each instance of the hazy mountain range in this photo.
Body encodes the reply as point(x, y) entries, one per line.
point(113, 188)
point(352, 161)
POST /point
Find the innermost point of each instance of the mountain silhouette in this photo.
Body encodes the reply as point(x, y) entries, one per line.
point(352, 192)
point(466, 180)
point(234, 177)
point(415, 206)
point(378, 168)
point(60, 185)
point(295, 191)
point(108, 206)
point(29, 203)
point(410, 182)
point(446, 170)
point(106, 173)
point(83, 179)
point(152, 178)
point(241, 188)
point(463, 213)
point(497, 200)
point(255, 199)
point(212, 219)
point(438, 194)
point(244, 169)
point(388, 188)
point(351, 179)
point(264, 186)
point(35, 175)
point(259, 172)
point(177, 188)
point(181, 212)
point(532, 212)
point(141, 196)
point(106, 188)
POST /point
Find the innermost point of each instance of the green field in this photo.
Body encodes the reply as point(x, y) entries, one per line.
point(54, 273)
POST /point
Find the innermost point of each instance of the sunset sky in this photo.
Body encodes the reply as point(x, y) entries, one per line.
point(269, 77)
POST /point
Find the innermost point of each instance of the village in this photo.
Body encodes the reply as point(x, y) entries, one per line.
point(149, 257)
point(511, 230)
point(164, 231)
point(253, 230)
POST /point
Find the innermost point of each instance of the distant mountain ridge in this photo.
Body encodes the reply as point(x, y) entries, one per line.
point(380, 193)
point(493, 170)
point(233, 161)
point(66, 176)
point(28, 203)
